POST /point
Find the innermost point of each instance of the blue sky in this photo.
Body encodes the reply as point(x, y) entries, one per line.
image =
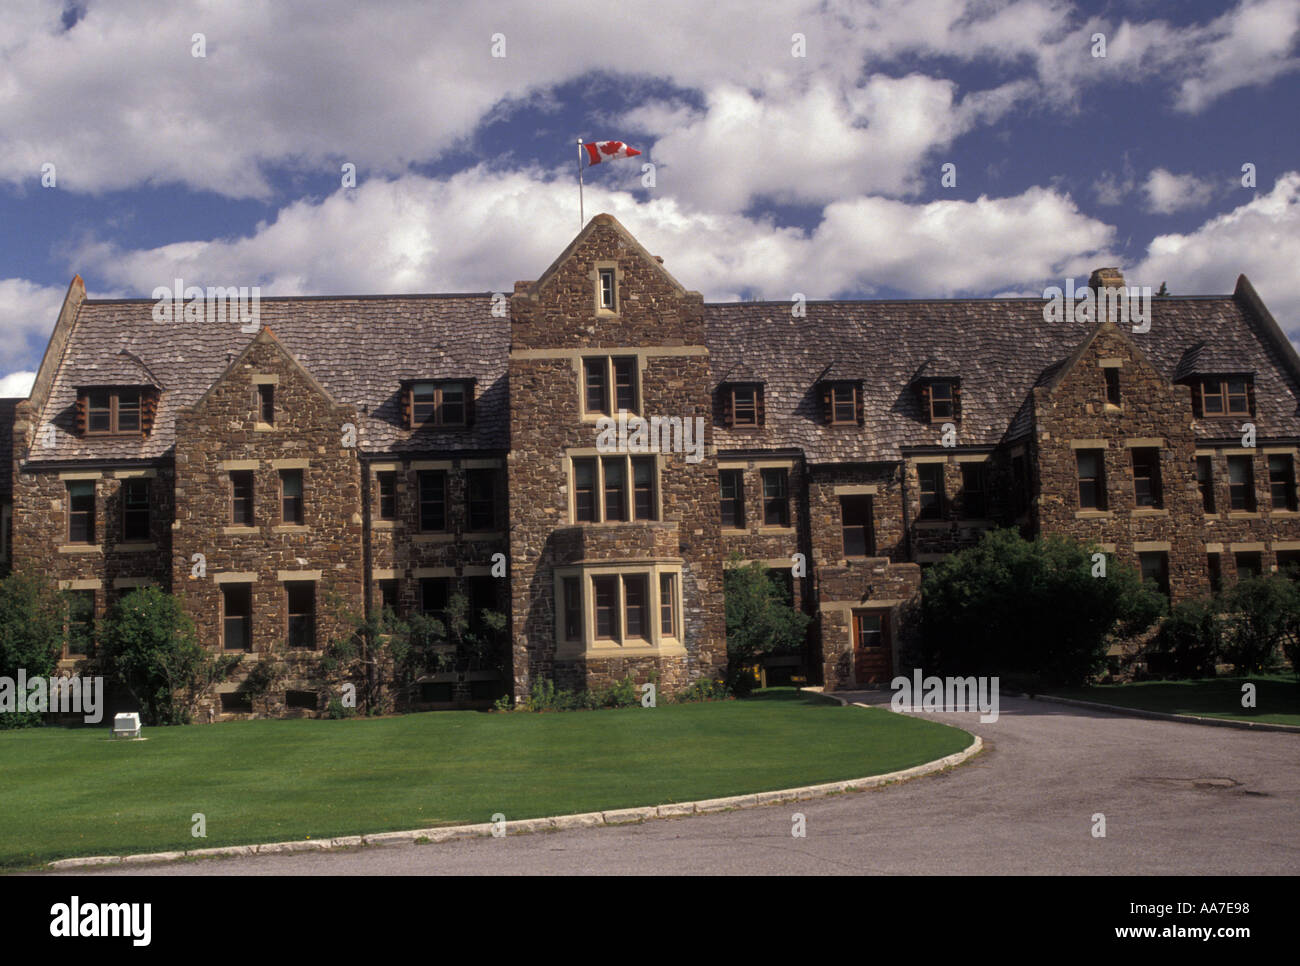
point(773, 173)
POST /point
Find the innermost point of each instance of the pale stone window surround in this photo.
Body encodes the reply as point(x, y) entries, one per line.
point(1151, 546)
point(655, 645)
point(608, 357)
point(599, 310)
point(1286, 544)
point(142, 474)
point(853, 489)
point(283, 575)
point(234, 577)
point(227, 466)
point(1255, 546)
point(89, 583)
point(387, 573)
point(629, 490)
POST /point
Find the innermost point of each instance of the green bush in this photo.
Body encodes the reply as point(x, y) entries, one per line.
point(761, 620)
point(1262, 615)
point(703, 689)
point(31, 635)
point(1015, 606)
point(149, 646)
point(622, 694)
point(337, 710)
point(1189, 641)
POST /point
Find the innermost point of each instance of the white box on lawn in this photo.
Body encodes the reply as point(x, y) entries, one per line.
point(126, 725)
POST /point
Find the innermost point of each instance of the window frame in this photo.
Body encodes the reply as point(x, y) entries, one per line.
point(1100, 501)
point(423, 501)
point(950, 386)
point(265, 403)
point(868, 527)
point(84, 516)
point(607, 288)
point(752, 390)
point(88, 624)
point(306, 618)
point(980, 491)
point(1110, 374)
point(226, 592)
point(610, 369)
point(436, 407)
point(600, 492)
point(837, 389)
point(114, 410)
point(1161, 577)
point(1224, 397)
point(737, 499)
point(474, 520)
point(1286, 483)
point(134, 512)
point(779, 502)
point(1205, 483)
point(1245, 489)
point(935, 507)
point(386, 503)
point(249, 502)
point(1148, 493)
point(299, 507)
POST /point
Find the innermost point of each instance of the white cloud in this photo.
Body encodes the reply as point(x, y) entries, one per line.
point(27, 315)
point(1168, 192)
point(17, 385)
point(1260, 238)
point(1250, 45)
point(417, 234)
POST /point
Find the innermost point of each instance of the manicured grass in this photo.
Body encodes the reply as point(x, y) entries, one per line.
point(1277, 697)
point(71, 792)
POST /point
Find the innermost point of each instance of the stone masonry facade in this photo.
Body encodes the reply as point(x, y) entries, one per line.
point(355, 452)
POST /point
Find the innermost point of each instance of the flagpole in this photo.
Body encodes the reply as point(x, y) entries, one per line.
point(581, 214)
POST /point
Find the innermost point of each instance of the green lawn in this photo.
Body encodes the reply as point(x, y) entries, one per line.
point(1277, 697)
point(71, 792)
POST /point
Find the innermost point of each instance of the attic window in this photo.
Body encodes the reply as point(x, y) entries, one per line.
point(942, 400)
point(842, 403)
point(743, 404)
point(1226, 395)
point(438, 403)
point(115, 412)
point(608, 293)
point(266, 403)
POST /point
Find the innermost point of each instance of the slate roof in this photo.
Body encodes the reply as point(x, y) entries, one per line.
point(999, 348)
point(358, 348)
point(7, 407)
point(361, 348)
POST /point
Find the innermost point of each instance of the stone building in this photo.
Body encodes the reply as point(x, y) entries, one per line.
point(346, 453)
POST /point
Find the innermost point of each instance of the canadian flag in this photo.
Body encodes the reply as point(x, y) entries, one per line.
point(598, 151)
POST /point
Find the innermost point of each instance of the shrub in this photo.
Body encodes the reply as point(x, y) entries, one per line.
point(760, 620)
point(622, 694)
point(1262, 613)
point(336, 710)
point(1010, 605)
point(150, 648)
point(1189, 640)
point(703, 689)
point(31, 634)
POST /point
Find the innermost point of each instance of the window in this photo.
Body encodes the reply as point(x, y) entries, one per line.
point(776, 499)
point(291, 497)
point(1111, 375)
point(237, 617)
point(1225, 396)
point(605, 593)
point(868, 630)
point(433, 500)
point(1092, 478)
point(599, 373)
point(1248, 565)
point(266, 403)
point(941, 400)
point(482, 596)
point(112, 412)
point(572, 609)
point(1241, 483)
point(237, 702)
point(610, 477)
point(433, 597)
point(614, 470)
point(1288, 563)
point(241, 498)
point(732, 485)
point(481, 486)
point(135, 510)
point(1214, 568)
point(744, 404)
point(930, 478)
point(667, 605)
point(305, 700)
point(636, 596)
point(300, 595)
point(859, 531)
point(387, 495)
point(81, 511)
point(1205, 482)
point(1146, 478)
point(844, 403)
point(608, 289)
point(973, 490)
point(81, 623)
point(584, 491)
point(1155, 567)
point(1281, 481)
point(1020, 484)
point(388, 595)
point(439, 403)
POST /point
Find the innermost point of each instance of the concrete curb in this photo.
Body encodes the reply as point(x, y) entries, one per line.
point(1165, 716)
point(619, 816)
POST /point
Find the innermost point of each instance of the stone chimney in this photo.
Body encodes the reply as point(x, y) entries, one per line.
point(1104, 278)
point(1111, 294)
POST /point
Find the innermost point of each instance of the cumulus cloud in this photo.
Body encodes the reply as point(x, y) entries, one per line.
point(27, 315)
point(461, 233)
point(17, 385)
point(1167, 192)
point(1260, 238)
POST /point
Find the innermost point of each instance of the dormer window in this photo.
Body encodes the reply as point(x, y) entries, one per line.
point(608, 291)
point(443, 403)
point(941, 400)
point(842, 403)
point(115, 412)
point(1226, 395)
point(743, 404)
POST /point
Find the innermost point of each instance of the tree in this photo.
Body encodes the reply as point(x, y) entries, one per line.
point(760, 620)
point(1189, 641)
point(1262, 614)
point(32, 613)
point(1164, 291)
point(149, 646)
point(1032, 607)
